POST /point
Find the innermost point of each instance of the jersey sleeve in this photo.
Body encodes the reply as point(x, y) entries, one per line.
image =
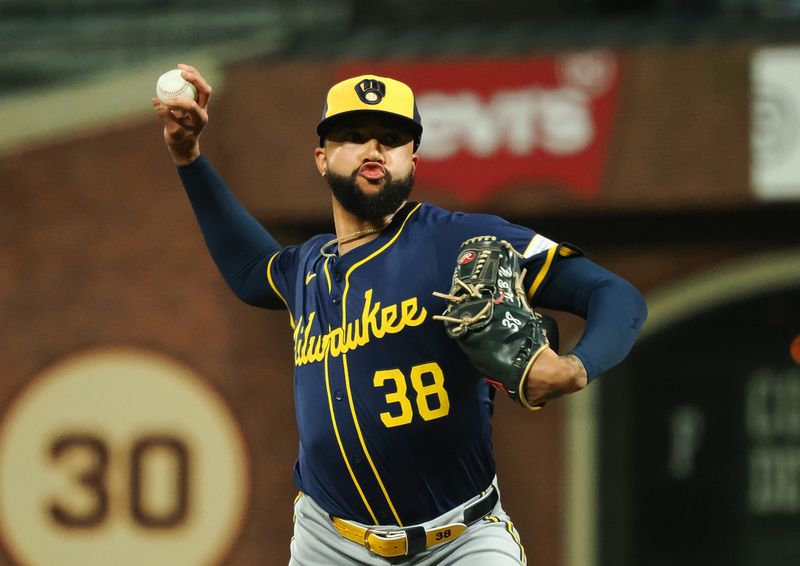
point(613, 308)
point(539, 252)
point(281, 273)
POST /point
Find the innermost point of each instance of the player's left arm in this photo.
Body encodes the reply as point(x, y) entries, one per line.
point(614, 311)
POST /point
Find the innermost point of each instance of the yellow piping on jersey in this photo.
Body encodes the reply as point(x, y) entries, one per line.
point(366, 259)
point(275, 289)
point(341, 446)
point(542, 272)
point(364, 444)
point(344, 321)
point(563, 250)
point(327, 274)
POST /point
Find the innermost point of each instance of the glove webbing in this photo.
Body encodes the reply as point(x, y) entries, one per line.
point(474, 291)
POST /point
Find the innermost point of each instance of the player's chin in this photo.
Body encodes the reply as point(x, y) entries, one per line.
point(371, 186)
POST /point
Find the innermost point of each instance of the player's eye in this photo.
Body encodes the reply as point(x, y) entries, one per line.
point(391, 138)
point(353, 136)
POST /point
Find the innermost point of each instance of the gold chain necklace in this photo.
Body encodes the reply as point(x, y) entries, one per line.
point(348, 238)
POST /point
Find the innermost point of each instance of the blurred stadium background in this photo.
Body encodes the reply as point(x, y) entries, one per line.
point(147, 415)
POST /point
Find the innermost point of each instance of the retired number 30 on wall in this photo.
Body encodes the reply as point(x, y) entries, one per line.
point(119, 457)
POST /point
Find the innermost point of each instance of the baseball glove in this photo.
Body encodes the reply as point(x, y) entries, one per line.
point(489, 316)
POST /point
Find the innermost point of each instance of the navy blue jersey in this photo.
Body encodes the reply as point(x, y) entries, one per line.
point(394, 422)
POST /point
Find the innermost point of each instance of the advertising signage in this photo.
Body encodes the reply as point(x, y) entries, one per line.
point(494, 125)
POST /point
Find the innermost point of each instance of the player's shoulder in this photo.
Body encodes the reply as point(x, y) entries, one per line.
point(314, 243)
point(460, 224)
point(437, 216)
point(302, 252)
point(448, 229)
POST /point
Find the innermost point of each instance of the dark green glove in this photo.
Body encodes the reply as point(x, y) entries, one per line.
point(489, 316)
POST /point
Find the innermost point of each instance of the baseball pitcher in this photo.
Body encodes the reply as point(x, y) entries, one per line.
point(405, 323)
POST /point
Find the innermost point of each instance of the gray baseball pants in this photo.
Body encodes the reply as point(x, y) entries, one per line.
point(491, 541)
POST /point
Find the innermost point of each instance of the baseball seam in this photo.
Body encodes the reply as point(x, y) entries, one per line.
point(175, 92)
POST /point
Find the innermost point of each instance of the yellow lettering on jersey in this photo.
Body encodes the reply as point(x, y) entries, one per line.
point(307, 330)
point(388, 316)
point(336, 341)
point(369, 317)
point(351, 334)
point(375, 323)
point(321, 350)
point(409, 307)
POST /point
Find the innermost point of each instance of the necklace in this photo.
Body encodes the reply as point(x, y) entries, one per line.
point(348, 238)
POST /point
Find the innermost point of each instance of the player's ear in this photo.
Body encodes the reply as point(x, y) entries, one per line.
point(321, 160)
point(414, 161)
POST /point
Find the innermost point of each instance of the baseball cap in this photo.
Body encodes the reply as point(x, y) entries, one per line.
point(368, 94)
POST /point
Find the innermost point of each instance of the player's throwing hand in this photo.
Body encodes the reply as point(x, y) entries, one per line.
point(184, 119)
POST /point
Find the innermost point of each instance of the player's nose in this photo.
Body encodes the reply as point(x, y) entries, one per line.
point(373, 150)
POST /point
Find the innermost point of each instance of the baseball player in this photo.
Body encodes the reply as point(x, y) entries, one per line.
point(395, 461)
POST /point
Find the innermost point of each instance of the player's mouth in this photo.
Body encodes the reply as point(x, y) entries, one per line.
point(372, 171)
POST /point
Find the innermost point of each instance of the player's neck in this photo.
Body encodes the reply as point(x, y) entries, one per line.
point(361, 230)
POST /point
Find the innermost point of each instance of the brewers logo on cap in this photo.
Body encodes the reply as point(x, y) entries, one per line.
point(371, 93)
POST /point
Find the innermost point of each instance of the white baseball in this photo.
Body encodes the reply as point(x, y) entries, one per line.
point(172, 85)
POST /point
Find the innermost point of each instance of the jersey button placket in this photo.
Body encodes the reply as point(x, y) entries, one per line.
point(345, 419)
point(337, 272)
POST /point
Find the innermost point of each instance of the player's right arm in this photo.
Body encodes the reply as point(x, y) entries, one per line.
point(238, 244)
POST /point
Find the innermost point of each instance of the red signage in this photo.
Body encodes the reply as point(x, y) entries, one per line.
point(491, 125)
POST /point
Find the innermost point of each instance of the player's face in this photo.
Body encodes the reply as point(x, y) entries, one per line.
point(369, 164)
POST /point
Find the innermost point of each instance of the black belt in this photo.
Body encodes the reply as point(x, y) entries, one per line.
point(478, 510)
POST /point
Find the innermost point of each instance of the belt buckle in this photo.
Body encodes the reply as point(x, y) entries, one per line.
point(367, 532)
point(385, 535)
point(376, 532)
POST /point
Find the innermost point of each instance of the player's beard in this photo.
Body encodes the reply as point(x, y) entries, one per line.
point(370, 207)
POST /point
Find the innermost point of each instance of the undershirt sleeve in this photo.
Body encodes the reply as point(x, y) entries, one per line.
point(614, 310)
point(240, 246)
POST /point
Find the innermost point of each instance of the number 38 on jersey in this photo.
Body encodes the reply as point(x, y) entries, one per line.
point(430, 399)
